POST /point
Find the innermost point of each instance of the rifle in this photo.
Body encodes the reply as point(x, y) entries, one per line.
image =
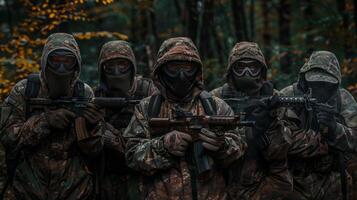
point(188, 123)
point(308, 103)
point(77, 104)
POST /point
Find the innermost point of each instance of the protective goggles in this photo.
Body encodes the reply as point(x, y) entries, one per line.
point(62, 59)
point(116, 67)
point(247, 68)
point(173, 69)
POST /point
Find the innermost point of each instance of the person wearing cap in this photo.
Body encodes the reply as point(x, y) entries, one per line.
point(263, 171)
point(326, 136)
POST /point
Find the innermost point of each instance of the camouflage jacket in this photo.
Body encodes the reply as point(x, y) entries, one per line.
point(51, 164)
point(260, 174)
point(164, 175)
point(313, 159)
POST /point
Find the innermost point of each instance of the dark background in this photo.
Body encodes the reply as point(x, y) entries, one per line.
point(287, 32)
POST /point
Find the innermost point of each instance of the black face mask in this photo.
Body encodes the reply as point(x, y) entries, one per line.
point(59, 73)
point(179, 83)
point(247, 79)
point(324, 92)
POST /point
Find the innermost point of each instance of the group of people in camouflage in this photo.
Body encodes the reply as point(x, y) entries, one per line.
point(297, 152)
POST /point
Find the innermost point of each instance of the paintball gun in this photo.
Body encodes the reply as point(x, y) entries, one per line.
point(188, 123)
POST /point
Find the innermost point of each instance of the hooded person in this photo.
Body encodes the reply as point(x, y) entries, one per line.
point(165, 160)
point(319, 170)
point(117, 71)
point(262, 173)
point(46, 158)
point(246, 73)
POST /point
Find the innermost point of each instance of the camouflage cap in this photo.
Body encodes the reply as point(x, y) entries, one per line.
point(318, 75)
point(322, 61)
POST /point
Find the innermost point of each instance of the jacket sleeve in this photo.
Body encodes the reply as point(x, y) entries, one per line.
point(235, 146)
point(144, 152)
point(20, 132)
point(345, 136)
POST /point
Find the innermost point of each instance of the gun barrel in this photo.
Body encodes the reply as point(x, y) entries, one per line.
point(113, 102)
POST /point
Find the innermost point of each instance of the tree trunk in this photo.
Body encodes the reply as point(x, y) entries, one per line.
point(307, 9)
point(341, 7)
point(284, 36)
point(191, 19)
point(239, 20)
point(266, 30)
point(207, 21)
point(252, 19)
point(355, 17)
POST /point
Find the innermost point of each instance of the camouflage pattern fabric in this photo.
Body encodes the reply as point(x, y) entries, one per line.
point(261, 174)
point(113, 173)
point(51, 164)
point(165, 176)
point(313, 160)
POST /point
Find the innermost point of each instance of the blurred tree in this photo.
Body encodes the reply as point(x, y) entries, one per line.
point(20, 54)
point(284, 10)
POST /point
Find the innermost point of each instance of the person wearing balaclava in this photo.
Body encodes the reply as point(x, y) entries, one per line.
point(118, 78)
point(263, 172)
point(165, 160)
point(51, 161)
point(323, 154)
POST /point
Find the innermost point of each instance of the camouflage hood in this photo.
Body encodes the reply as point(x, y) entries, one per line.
point(177, 49)
point(322, 60)
point(60, 41)
point(244, 50)
point(117, 49)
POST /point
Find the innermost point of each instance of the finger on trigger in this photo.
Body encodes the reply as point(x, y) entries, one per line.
point(207, 139)
point(209, 146)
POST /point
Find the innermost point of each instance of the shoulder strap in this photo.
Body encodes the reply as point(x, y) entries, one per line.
point(339, 101)
point(33, 85)
point(32, 89)
point(79, 90)
point(226, 92)
point(208, 103)
point(296, 90)
point(155, 105)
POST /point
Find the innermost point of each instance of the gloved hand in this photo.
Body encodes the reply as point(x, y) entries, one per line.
point(59, 118)
point(93, 114)
point(327, 120)
point(113, 142)
point(262, 112)
point(177, 142)
point(210, 140)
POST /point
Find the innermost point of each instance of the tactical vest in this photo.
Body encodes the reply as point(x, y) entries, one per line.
point(206, 99)
point(32, 89)
point(228, 92)
point(333, 162)
point(209, 107)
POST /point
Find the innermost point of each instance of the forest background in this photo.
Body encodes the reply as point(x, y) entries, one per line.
point(286, 30)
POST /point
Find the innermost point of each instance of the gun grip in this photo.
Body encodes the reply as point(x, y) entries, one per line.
point(201, 158)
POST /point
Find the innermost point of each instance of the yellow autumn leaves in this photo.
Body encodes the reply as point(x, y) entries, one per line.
point(20, 56)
